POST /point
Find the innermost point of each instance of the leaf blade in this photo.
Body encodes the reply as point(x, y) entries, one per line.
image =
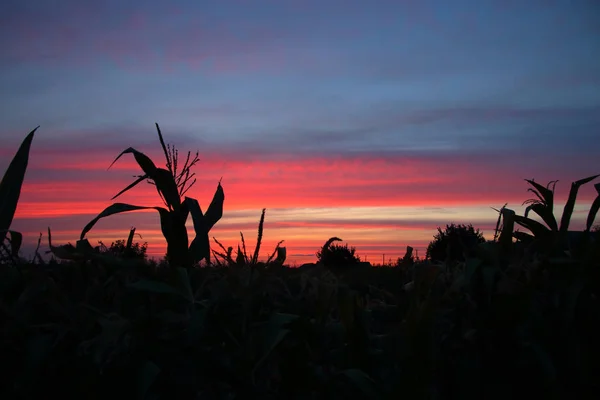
point(12, 181)
point(116, 208)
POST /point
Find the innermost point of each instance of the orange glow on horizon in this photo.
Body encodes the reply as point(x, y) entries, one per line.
point(378, 205)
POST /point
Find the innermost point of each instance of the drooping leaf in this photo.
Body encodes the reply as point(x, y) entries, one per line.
point(165, 183)
point(65, 251)
point(535, 227)
point(198, 217)
point(143, 161)
point(523, 236)
point(140, 179)
point(593, 209)
point(547, 195)
point(118, 208)
point(570, 205)
point(12, 181)
point(164, 147)
point(16, 239)
point(163, 178)
point(215, 209)
point(200, 246)
point(545, 213)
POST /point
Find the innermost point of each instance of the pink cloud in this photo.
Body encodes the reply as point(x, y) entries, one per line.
point(62, 194)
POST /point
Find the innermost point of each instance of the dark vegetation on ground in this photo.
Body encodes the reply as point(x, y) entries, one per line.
point(514, 317)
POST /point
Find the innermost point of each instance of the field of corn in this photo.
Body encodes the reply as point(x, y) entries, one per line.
point(514, 317)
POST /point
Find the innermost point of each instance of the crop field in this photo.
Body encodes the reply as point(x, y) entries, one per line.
point(517, 316)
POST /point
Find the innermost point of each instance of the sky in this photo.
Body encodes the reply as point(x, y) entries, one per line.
point(375, 121)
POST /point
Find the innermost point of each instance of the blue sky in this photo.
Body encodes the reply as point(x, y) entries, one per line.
point(505, 86)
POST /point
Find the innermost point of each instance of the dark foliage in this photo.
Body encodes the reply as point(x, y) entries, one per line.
point(119, 248)
point(452, 243)
point(335, 256)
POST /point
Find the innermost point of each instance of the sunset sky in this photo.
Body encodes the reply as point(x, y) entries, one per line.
point(375, 121)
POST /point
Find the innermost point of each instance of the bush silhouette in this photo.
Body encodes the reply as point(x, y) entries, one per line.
point(453, 242)
point(334, 255)
point(119, 248)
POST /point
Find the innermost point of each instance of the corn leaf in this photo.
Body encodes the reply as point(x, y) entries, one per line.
point(535, 227)
point(546, 195)
point(593, 209)
point(568, 211)
point(140, 179)
point(164, 180)
point(200, 246)
point(16, 239)
point(118, 208)
point(12, 181)
point(143, 161)
point(215, 209)
point(65, 251)
point(164, 147)
point(165, 183)
point(545, 213)
point(523, 236)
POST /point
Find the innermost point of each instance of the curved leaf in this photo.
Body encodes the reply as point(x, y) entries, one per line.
point(215, 209)
point(200, 246)
point(593, 209)
point(164, 147)
point(143, 161)
point(547, 195)
point(118, 208)
point(141, 178)
point(16, 239)
point(163, 178)
point(535, 227)
point(523, 237)
point(10, 186)
point(545, 213)
point(165, 183)
point(82, 251)
point(568, 211)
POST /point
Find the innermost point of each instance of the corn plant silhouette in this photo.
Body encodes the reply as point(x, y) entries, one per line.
point(543, 206)
point(10, 191)
point(171, 187)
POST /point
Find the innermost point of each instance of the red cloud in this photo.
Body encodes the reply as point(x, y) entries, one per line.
point(66, 195)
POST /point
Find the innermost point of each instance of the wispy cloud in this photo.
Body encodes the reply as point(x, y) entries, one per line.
point(324, 106)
